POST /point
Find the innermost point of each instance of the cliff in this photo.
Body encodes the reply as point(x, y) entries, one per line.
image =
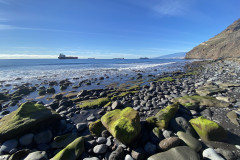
point(224, 45)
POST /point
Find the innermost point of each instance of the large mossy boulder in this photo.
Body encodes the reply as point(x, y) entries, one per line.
point(71, 151)
point(27, 117)
point(177, 153)
point(124, 124)
point(96, 128)
point(193, 102)
point(163, 117)
point(208, 130)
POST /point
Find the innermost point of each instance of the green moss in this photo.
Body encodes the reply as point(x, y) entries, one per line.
point(96, 128)
point(25, 118)
point(123, 94)
point(108, 104)
point(208, 130)
point(186, 74)
point(192, 102)
point(124, 124)
point(62, 141)
point(93, 103)
point(162, 118)
point(168, 79)
point(71, 151)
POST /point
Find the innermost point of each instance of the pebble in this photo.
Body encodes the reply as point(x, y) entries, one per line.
point(211, 154)
point(150, 148)
point(117, 154)
point(99, 149)
point(8, 145)
point(38, 155)
point(43, 137)
point(167, 133)
point(128, 157)
point(101, 140)
point(169, 143)
point(81, 126)
point(26, 139)
point(4, 157)
point(92, 158)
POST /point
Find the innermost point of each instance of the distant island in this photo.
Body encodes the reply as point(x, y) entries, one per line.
point(63, 56)
point(143, 58)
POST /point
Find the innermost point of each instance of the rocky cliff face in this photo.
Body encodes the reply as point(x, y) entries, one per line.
point(225, 44)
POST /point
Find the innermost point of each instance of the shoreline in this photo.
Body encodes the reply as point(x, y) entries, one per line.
point(147, 95)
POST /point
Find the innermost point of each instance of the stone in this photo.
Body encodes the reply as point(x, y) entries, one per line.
point(169, 143)
point(19, 155)
point(211, 154)
point(38, 155)
point(64, 140)
point(116, 105)
point(150, 148)
point(208, 90)
point(43, 137)
point(4, 157)
point(167, 134)
point(128, 157)
point(179, 153)
point(227, 154)
point(96, 128)
point(81, 126)
point(101, 140)
point(26, 139)
point(232, 116)
point(72, 151)
point(193, 102)
point(92, 158)
point(181, 124)
point(101, 148)
point(26, 118)
point(162, 118)
point(208, 130)
point(8, 145)
point(190, 141)
point(124, 124)
point(138, 154)
point(226, 99)
point(118, 154)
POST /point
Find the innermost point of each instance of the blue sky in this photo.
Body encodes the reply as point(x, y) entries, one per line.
point(109, 28)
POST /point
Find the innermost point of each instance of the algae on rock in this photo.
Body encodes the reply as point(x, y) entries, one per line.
point(193, 102)
point(96, 128)
point(208, 130)
point(93, 103)
point(124, 124)
point(27, 117)
point(163, 117)
point(71, 151)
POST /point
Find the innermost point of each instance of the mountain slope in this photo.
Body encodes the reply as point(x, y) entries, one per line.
point(225, 44)
point(179, 55)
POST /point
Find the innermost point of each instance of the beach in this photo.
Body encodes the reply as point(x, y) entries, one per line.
point(121, 109)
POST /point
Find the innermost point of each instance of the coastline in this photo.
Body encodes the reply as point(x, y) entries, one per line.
point(147, 95)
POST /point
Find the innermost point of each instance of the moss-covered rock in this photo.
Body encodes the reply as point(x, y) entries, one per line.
point(27, 117)
point(42, 92)
point(192, 102)
point(124, 124)
point(96, 128)
point(208, 130)
point(162, 118)
point(72, 151)
point(165, 79)
point(100, 102)
point(51, 90)
point(209, 90)
point(62, 141)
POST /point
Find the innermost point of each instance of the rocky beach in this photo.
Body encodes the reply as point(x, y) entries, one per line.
point(189, 113)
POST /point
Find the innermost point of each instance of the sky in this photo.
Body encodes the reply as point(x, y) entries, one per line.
point(109, 28)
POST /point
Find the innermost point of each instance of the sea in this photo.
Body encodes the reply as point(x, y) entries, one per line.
point(34, 70)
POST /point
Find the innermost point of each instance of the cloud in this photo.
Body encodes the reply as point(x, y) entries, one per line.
point(26, 56)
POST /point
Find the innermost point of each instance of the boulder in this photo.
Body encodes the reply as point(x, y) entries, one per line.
point(179, 153)
point(193, 102)
point(27, 117)
point(64, 140)
point(43, 137)
point(181, 124)
point(124, 124)
point(162, 118)
point(96, 128)
point(208, 130)
point(211, 154)
point(26, 139)
point(8, 145)
point(38, 155)
point(232, 116)
point(209, 89)
point(71, 151)
point(169, 143)
point(190, 141)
